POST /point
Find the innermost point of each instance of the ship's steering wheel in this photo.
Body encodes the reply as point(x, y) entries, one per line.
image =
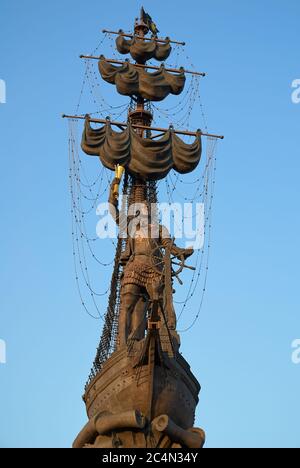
point(177, 263)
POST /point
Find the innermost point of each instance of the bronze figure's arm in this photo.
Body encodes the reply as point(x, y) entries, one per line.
point(113, 201)
point(126, 255)
point(167, 242)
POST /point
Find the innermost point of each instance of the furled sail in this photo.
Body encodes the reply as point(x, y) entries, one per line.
point(147, 158)
point(135, 81)
point(141, 50)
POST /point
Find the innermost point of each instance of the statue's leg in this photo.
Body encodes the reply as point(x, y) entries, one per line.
point(155, 290)
point(130, 296)
point(139, 319)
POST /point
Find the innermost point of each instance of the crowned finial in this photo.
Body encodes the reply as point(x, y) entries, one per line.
point(147, 20)
point(141, 27)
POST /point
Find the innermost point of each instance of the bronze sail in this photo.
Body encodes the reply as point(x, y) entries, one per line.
point(134, 81)
point(148, 158)
point(141, 51)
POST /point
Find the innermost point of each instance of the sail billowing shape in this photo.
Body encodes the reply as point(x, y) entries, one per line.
point(143, 157)
point(135, 81)
point(141, 50)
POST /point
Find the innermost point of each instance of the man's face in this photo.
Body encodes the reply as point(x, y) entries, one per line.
point(140, 218)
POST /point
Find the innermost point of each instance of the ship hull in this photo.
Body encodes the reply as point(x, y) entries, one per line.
point(126, 386)
point(121, 387)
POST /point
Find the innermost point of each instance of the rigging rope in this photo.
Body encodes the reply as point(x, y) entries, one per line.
point(80, 237)
point(84, 191)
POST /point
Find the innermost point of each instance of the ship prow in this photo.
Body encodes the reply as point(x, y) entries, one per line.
point(143, 395)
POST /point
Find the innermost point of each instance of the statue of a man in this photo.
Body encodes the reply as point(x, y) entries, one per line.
point(143, 277)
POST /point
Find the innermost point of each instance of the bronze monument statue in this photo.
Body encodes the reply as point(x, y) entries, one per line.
point(141, 391)
point(143, 279)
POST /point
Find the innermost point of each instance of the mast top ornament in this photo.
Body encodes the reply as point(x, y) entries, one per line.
point(136, 147)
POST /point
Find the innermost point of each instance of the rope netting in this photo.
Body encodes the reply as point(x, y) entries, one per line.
point(87, 190)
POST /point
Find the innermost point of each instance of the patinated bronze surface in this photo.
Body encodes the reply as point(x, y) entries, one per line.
point(143, 281)
point(143, 393)
point(141, 50)
point(141, 156)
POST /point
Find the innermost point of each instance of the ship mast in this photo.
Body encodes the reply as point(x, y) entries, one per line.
point(140, 116)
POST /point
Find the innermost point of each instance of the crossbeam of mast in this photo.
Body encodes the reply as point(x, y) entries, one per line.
point(131, 36)
point(151, 67)
point(143, 127)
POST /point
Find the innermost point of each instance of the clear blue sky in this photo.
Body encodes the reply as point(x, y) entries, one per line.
point(240, 349)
